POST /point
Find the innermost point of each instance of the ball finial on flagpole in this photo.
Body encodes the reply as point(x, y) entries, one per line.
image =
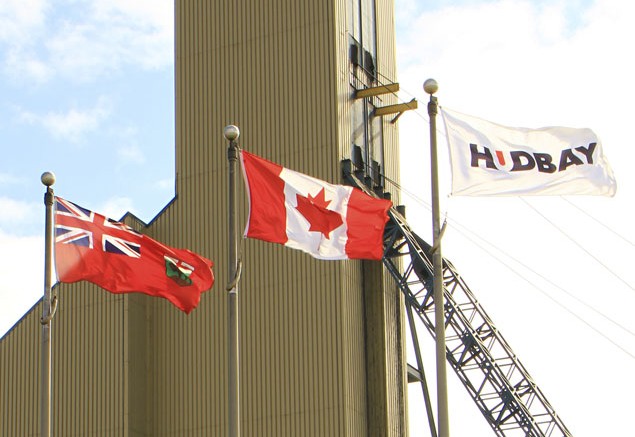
point(48, 178)
point(231, 132)
point(430, 86)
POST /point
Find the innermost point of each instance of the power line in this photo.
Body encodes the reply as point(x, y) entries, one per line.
point(563, 306)
point(579, 245)
point(519, 274)
point(608, 228)
point(591, 308)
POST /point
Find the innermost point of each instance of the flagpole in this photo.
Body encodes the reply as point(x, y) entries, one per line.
point(430, 86)
point(48, 309)
point(231, 133)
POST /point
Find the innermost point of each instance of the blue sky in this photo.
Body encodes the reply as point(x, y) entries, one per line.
point(87, 92)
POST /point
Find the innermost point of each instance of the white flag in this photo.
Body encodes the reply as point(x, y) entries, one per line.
point(488, 159)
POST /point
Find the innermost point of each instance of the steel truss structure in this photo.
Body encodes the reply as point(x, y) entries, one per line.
point(499, 384)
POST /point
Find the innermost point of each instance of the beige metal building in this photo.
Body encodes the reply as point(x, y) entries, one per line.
point(321, 342)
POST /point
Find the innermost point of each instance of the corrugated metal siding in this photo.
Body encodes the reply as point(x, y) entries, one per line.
point(19, 377)
point(89, 358)
point(278, 70)
point(385, 352)
point(267, 67)
point(396, 403)
point(134, 365)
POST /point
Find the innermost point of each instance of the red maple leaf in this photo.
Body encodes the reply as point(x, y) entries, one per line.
point(314, 210)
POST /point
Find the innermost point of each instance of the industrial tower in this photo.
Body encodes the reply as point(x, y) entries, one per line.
point(321, 343)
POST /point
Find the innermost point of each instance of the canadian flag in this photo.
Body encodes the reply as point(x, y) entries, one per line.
point(327, 221)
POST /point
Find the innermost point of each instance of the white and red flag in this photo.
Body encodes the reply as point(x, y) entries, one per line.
point(327, 221)
point(489, 159)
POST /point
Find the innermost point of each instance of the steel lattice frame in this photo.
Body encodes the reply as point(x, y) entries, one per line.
point(499, 384)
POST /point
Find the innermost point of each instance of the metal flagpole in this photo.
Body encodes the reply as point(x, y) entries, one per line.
point(48, 309)
point(430, 86)
point(231, 133)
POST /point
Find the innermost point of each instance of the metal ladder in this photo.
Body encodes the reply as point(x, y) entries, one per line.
point(499, 384)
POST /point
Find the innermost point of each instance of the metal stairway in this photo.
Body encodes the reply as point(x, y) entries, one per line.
point(499, 384)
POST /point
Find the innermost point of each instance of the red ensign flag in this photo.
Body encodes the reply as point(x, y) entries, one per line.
point(327, 221)
point(110, 254)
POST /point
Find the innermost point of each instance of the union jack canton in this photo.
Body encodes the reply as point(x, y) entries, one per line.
point(81, 227)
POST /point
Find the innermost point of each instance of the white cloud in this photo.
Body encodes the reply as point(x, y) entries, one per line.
point(116, 207)
point(73, 124)
point(165, 184)
point(40, 43)
point(22, 62)
point(116, 33)
point(18, 212)
point(533, 64)
point(128, 151)
point(20, 19)
point(131, 154)
point(150, 22)
point(496, 60)
point(495, 49)
point(19, 288)
point(22, 25)
point(7, 178)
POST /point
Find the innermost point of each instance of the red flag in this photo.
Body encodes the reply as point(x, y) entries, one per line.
point(327, 221)
point(110, 254)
